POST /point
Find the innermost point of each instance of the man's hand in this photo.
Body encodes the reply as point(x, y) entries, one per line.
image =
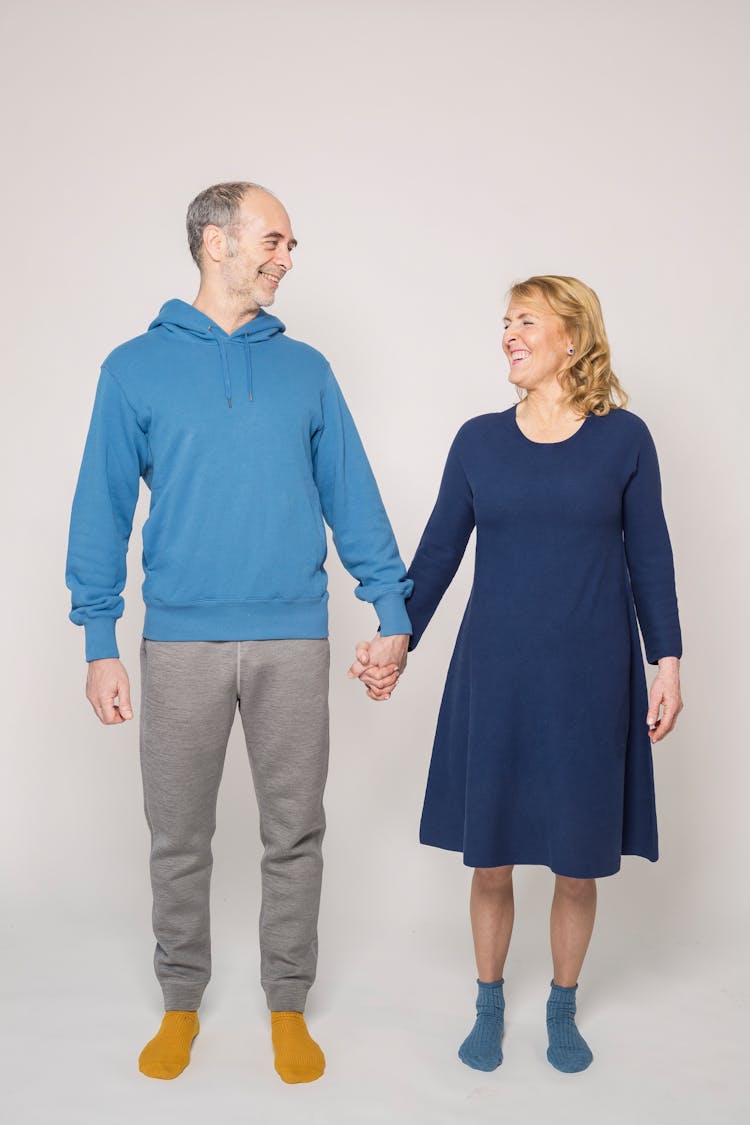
point(665, 697)
point(379, 664)
point(106, 682)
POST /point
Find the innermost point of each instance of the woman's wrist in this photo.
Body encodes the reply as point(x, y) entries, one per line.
point(669, 664)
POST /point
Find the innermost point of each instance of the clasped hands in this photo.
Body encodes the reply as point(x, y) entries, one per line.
point(379, 663)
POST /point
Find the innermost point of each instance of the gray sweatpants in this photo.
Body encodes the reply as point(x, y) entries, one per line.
point(190, 694)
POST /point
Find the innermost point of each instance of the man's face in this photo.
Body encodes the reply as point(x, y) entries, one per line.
point(259, 250)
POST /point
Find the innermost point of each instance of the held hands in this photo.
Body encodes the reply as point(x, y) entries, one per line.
point(664, 696)
point(379, 664)
point(106, 682)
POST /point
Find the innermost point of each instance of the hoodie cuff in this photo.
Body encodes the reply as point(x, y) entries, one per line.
point(392, 614)
point(100, 638)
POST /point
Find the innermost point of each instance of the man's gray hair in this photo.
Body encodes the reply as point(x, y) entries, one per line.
point(216, 206)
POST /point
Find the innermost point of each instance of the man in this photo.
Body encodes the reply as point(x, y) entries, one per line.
point(245, 441)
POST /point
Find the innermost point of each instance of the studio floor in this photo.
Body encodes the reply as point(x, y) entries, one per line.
point(666, 1027)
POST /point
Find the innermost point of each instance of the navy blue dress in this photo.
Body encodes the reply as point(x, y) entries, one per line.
point(542, 753)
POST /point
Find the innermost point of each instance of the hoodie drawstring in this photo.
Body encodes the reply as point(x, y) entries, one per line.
point(225, 368)
point(248, 368)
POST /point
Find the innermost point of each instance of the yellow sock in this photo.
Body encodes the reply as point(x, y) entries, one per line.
point(297, 1057)
point(168, 1053)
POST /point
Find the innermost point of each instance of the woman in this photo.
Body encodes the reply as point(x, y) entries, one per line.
point(543, 747)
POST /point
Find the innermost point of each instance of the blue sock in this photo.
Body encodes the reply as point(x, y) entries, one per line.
point(568, 1051)
point(482, 1048)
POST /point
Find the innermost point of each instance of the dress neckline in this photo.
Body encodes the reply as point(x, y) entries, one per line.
point(530, 441)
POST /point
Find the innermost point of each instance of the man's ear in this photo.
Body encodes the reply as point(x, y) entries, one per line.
point(214, 243)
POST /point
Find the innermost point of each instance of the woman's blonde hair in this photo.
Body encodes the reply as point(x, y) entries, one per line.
point(588, 379)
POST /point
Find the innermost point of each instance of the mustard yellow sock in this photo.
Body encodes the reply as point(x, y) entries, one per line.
point(168, 1053)
point(297, 1057)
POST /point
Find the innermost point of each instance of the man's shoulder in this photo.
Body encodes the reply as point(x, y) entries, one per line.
point(132, 354)
point(297, 351)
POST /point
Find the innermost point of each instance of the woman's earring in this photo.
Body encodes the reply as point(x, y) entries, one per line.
point(571, 351)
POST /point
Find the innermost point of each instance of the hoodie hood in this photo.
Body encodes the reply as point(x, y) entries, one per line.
point(179, 316)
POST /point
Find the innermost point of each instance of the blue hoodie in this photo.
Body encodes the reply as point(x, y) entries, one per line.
point(246, 444)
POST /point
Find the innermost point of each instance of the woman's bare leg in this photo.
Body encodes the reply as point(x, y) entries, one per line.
point(571, 924)
point(492, 913)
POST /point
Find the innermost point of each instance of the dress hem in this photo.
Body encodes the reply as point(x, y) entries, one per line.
point(534, 862)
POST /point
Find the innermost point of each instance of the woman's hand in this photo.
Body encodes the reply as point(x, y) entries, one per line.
point(664, 697)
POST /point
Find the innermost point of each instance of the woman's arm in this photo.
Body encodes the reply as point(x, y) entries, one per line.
point(649, 557)
point(443, 542)
point(438, 555)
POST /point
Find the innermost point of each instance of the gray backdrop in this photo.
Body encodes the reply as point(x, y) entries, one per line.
point(429, 154)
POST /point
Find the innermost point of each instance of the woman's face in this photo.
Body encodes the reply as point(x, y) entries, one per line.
point(535, 343)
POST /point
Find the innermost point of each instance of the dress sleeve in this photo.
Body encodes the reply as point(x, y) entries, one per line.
point(649, 556)
point(442, 545)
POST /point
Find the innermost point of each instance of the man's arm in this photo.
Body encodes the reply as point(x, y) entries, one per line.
point(115, 457)
point(354, 511)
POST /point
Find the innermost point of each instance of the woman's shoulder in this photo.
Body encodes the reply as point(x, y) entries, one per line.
point(474, 428)
point(622, 421)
